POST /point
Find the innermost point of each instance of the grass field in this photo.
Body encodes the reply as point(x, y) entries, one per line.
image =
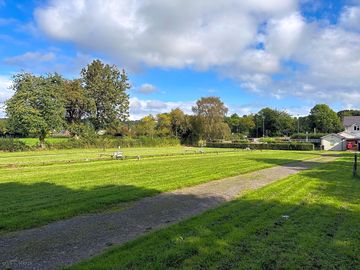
point(35, 141)
point(307, 221)
point(77, 155)
point(33, 195)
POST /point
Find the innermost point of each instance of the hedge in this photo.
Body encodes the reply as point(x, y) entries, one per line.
point(12, 145)
point(309, 135)
point(264, 146)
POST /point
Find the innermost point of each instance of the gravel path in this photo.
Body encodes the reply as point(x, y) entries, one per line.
point(70, 241)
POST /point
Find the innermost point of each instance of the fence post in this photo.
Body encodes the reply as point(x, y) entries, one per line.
point(355, 165)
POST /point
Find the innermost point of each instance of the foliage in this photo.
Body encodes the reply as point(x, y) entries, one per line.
point(269, 146)
point(324, 119)
point(105, 87)
point(242, 125)
point(276, 123)
point(163, 125)
point(3, 127)
point(36, 106)
point(11, 145)
point(179, 124)
point(146, 126)
point(210, 113)
point(309, 135)
point(35, 195)
point(310, 220)
point(77, 104)
point(343, 113)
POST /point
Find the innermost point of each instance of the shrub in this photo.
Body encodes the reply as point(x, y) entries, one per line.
point(12, 145)
point(310, 136)
point(265, 146)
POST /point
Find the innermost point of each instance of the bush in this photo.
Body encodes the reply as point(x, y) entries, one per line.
point(265, 146)
point(310, 136)
point(11, 145)
point(113, 142)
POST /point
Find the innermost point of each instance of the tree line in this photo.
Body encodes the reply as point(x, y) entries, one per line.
point(99, 100)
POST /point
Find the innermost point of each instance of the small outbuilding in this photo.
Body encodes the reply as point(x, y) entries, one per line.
point(334, 142)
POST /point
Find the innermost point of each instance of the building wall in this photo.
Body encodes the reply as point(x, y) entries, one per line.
point(333, 143)
point(353, 129)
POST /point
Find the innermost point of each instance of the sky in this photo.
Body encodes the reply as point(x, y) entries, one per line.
point(284, 54)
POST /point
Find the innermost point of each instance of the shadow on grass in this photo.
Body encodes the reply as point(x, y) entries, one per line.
point(280, 227)
point(24, 206)
point(276, 228)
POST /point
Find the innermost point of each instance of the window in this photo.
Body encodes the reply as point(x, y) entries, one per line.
point(356, 128)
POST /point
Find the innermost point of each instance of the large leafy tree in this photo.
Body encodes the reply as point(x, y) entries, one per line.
point(106, 88)
point(273, 122)
point(324, 119)
point(210, 113)
point(36, 106)
point(242, 124)
point(77, 105)
point(146, 126)
point(163, 126)
point(178, 122)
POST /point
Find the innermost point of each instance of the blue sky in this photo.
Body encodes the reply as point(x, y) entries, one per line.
point(284, 54)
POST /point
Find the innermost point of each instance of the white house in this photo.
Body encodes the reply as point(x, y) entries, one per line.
point(349, 139)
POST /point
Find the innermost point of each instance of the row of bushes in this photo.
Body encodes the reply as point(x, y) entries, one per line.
point(265, 146)
point(109, 142)
point(309, 136)
point(14, 145)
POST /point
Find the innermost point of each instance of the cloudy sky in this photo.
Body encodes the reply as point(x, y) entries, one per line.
point(284, 54)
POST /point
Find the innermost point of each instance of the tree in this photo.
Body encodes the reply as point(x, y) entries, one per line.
point(36, 106)
point(77, 104)
point(178, 122)
point(106, 88)
point(146, 126)
point(163, 126)
point(324, 119)
point(210, 113)
point(343, 113)
point(272, 122)
point(3, 127)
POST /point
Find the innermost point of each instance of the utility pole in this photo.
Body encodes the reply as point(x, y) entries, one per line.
point(263, 117)
point(298, 124)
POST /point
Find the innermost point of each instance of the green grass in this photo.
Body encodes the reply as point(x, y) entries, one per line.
point(35, 195)
point(35, 141)
point(74, 155)
point(321, 232)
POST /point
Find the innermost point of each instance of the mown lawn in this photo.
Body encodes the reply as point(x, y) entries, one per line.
point(307, 221)
point(39, 157)
point(34, 195)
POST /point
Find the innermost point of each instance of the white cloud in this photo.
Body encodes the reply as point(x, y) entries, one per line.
point(350, 18)
point(285, 34)
point(249, 41)
point(147, 88)
point(160, 32)
point(29, 58)
point(140, 108)
point(5, 92)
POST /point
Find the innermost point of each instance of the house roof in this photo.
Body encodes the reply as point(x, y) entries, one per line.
point(350, 120)
point(342, 135)
point(333, 135)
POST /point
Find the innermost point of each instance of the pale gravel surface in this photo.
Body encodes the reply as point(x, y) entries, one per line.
point(70, 241)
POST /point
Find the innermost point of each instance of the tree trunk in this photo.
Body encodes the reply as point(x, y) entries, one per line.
point(42, 141)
